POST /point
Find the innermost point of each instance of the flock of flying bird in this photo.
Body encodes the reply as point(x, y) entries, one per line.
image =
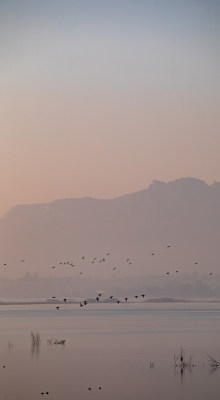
point(103, 259)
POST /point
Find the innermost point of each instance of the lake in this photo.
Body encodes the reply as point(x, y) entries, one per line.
point(121, 351)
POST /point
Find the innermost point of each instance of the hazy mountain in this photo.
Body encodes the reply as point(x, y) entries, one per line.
point(183, 214)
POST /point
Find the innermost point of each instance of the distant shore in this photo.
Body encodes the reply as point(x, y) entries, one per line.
point(106, 301)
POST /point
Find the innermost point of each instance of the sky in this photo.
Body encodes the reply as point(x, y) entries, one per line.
point(99, 98)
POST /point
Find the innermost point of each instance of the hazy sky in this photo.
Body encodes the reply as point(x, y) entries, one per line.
point(100, 97)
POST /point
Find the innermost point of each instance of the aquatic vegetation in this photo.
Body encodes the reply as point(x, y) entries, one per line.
point(181, 362)
point(213, 363)
point(35, 338)
point(59, 341)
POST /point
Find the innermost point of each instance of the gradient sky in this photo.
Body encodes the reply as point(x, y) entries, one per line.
point(98, 98)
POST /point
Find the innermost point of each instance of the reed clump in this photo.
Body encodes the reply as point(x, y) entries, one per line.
point(35, 338)
point(181, 362)
point(213, 363)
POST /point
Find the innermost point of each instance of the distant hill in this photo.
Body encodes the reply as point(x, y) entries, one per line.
point(183, 214)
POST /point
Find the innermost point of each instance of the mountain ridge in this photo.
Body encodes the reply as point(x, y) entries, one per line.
point(184, 213)
point(156, 184)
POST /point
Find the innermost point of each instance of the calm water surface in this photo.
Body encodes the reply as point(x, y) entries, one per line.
point(111, 346)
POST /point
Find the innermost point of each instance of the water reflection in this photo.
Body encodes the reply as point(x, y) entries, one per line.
point(182, 363)
point(128, 354)
point(35, 343)
point(35, 348)
point(181, 371)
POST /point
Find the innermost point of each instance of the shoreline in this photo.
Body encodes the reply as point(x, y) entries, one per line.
point(107, 301)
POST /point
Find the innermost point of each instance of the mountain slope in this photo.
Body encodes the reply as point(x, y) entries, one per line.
point(184, 214)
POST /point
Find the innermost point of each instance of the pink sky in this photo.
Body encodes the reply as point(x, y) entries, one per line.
point(102, 109)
